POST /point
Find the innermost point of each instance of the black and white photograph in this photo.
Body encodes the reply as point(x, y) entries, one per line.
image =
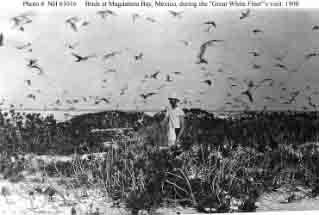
point(151, 110)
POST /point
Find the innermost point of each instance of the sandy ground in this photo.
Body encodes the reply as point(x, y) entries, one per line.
point(17, 200)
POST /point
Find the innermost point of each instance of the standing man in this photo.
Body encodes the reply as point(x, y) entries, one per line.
point(175, 119)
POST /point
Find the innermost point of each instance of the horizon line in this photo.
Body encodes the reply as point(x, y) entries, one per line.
point(146, 110)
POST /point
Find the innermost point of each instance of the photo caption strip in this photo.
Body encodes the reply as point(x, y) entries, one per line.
point(162, 3)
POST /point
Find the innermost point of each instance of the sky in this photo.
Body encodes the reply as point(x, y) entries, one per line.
point(285, 33)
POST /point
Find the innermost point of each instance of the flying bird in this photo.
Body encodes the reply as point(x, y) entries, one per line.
point(111, 54)
point(110, 71)
point(254, 53)
point(154, 75)
point(211, 24)
point(185, 42)
point(293, 95)
point(249, 95)
point(244, 14)
point(257, 31)
point(28, 82)
point(1, 39)
point(138, 57)
point(310, 102)
point(146, 95)
point(269, 98)
point(282, 56)
point(123, 90)
point(135, 16)
point(150, 19)
point(31, 96)
point(208, 82)
point(21, 20)
point(256, 66)
point(106, 13)
point(73, 45)
point(311, 55)
point(32, 64)
point(105, 100)
point(168, 78)
point(75, 22)
point(79, 58)
point(315, 28)
point(72, 22)
point(267, 80)
point(281, 66)
point(24, 46)
point(176, 14)
point(203, 49)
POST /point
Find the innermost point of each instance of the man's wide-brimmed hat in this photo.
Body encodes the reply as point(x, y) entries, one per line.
point(173, 96)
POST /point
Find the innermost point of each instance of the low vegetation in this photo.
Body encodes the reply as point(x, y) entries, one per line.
point(223, 165)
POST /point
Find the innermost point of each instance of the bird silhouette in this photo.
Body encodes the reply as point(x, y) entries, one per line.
point(257, 31)
point(135, 16)
point(176, 14)
point(168, 78)
point(72, 45)
point(208, 82)
point(249, 95)
point(211, 24)
point(256, 66)
point(315, 28)
point(28, 82)
point(281, 66)
point(31, 96)
point(123, 90)
point(106, 13)
point(311, 103)
point(267, 80)
point(110, 71)
point(146, 95)
point(281, 57)
point(21, 20)
point(72, 22)
point(79, 58)
point(76, 22)
point(154, 75)
point(111, 54)
point(269, 98)
point(150, 19)
point(24, 46)
point(254, 53)
point(244, 14)
point(1, 39)
point(293, 96)
point(139, 56)
point(33, 64)
point(105, 100)
point(203, 49)
point(185, 42)
point(311, 55)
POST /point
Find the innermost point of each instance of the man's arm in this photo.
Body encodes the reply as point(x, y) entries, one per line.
point(181, 131)
point(165, 120)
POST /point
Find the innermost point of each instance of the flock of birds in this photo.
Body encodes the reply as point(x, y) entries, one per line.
point(246, 87)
